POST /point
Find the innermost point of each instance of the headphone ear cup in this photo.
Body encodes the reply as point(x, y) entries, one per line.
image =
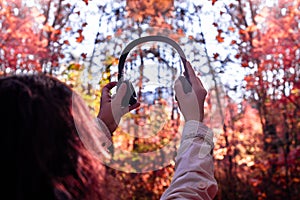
point(186, 84)
point(130, 96)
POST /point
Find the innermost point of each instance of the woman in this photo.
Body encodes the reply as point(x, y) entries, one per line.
point(44, 157)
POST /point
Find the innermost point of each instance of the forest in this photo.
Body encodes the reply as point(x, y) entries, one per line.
point(246, 52)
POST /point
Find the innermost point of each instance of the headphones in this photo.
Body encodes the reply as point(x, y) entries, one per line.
point(130, 96)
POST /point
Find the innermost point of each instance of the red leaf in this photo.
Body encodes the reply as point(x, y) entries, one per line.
point(213, 2)
point(237, 56)
point(55, 64)
point(86, 2)
point(84, 24)
point(66, 42)
point(216, 55)
point(215, 24)
point(83, 55)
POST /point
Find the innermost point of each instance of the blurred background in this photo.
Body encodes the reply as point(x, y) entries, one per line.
point(245, 51)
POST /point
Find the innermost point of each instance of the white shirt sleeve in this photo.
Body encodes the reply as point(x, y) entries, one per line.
point(194, 169)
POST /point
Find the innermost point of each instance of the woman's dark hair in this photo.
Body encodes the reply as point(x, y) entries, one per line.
point(42, 154)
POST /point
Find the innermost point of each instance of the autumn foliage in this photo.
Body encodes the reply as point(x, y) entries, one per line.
point(31, 37)
point(268, 46)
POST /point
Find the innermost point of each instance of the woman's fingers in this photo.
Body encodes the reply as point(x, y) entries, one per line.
point(105, 96)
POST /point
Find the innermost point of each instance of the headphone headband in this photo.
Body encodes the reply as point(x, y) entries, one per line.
point(141, 40)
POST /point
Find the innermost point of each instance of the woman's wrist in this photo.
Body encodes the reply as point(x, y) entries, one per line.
point(104, 128)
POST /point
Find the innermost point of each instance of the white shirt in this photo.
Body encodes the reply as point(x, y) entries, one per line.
point(194, 168)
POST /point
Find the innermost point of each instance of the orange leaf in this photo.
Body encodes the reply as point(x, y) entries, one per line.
point(248, 78)
point(230, 28)
point(213, 2)
point(251, 28)
point(242, 31)
point(268, 140)
point(48, 28)
point(67, 29)
point(295, 91)
point(244, 64)
point(119, 32)
point(254, 182)
point(219, 38)
point(296, 180)
point(74, 66)
point(57, 31)
point(80, 38)
point(180, 31)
